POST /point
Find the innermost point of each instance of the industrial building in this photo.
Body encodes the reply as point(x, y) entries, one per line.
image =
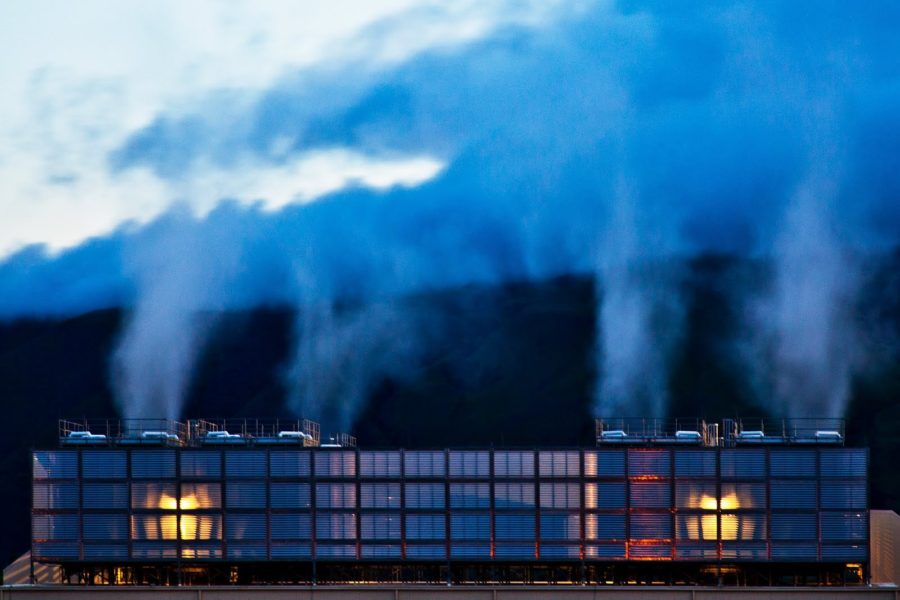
point(676, 503)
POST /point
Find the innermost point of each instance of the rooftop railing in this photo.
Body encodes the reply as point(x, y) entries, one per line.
point(729, 433)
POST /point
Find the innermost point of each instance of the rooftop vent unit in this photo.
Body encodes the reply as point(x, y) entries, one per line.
point(340, 440)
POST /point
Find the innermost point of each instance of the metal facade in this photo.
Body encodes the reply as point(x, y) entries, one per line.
point(703, 505)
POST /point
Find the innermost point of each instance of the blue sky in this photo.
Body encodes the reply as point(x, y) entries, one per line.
point(184, 156)
point(115, 112)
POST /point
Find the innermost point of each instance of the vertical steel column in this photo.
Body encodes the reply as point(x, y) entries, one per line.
point(178, 545)
point(313, 513)
point(582, 482)
point(492, 505)
point(80, 480)
point(402, 504)
point(447, 544)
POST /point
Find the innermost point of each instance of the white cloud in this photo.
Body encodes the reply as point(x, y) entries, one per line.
point(78, 78)
point(305, 178)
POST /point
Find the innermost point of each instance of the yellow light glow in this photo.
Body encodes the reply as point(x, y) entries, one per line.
point(708, 503)
point(709, 526)
point(167, 502)
point(729, 502)
point(706, 527)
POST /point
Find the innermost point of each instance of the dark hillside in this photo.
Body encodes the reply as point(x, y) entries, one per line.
point(512, 365)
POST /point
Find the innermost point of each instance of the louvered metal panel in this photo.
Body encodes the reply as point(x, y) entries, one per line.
point(745, 551)
point(844, 526)
point(649, 551)
point(605, 551)
point(292, 550)
point(844, 552)
point(246, 551)
point(154, 550)
point(792, 463)
point(559, 464)
point(54, 527)
point(792, 494)
point(380, 495)
point(379, 463)
point(289, 495)
point(470, 526)
point(154, 495)
point(506, 550)
point(54, 464)
point(380, 551)
point(336, 551)
point(474, 463)
point(743, 495)
point(201, 464)
point(650, 494)
point(424, 495)
point(103, 464)
point(696, 552)
point(560, 551)
point(153, 464)
point(695, 463)
point(742, 463)
point(793, 526)
point(560, 495)
point(513, 464)
point(424, 464)
point(605, 494)
point(290, 463)
point(745, 527)
point(105, 495)
point(247, 527)
point(379, 526)
point(245, 463)
point(105, 527)
point(650, 526)
point(200, 527)
point(335, 463)
point(695, 494)
point(245, 494)
point(698, 526)
point(514, 526)
point(56, 550)
point(470, 495)
point(788, 551)
point(463, 550)
point(336, 495)
point(649, 463)
point(292, 526)
point(54, 495)
point(105, 551)
point(425, 527)
point(604, 526)
point(158, 526)
point(335, 526)
point(514, 495)
point(560, 526)
point(201, 550)
point(609, 463)
point(843, 462)
point(843, 494)
point(426, 551)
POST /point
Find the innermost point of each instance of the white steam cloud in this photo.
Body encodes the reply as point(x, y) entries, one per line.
point(809, 314)
point(637, 316)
